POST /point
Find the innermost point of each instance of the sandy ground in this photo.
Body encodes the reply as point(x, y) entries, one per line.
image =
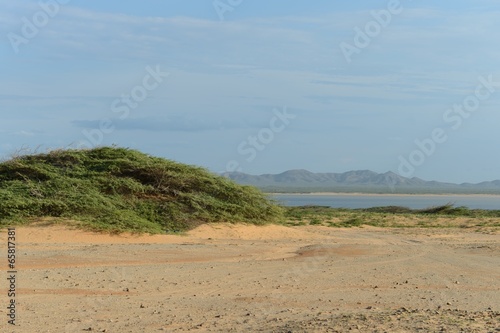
point(227, 278)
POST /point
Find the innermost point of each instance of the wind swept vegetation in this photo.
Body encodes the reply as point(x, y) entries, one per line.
point(117, 189)
point(393, 216)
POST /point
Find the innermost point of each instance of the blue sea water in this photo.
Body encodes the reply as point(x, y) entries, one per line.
point(367, 201)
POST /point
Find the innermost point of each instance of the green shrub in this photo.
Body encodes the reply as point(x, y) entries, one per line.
point(118, 189)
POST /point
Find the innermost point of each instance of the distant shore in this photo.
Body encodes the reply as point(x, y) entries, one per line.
point(387, 194)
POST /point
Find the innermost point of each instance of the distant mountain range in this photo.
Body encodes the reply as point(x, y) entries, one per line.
point(356, 181)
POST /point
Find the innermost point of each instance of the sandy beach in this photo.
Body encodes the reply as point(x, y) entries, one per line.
point(243, 278)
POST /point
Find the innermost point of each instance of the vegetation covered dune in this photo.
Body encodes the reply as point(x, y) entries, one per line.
point(117, 189)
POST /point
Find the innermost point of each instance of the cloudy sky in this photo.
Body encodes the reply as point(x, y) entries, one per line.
point(259, 86)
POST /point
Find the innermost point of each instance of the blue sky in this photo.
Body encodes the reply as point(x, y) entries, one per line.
point(260, 86)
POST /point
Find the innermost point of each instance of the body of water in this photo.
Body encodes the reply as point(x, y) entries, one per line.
point(367, 201)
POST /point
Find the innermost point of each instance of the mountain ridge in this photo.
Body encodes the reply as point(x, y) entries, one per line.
point(301, 180)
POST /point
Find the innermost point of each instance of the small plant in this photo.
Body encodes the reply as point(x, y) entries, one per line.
point(353, 222)
point(315, 221)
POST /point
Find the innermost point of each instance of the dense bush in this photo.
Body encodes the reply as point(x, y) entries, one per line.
point(119, 189)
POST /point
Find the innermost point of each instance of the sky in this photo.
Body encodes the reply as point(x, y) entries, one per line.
point(255, 86)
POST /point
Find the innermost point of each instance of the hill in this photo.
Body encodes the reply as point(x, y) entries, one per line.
point(117, 189)
point(355, 181)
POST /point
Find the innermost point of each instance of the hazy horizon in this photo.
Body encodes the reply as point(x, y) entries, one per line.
point(277, 173)
point(411, 87)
